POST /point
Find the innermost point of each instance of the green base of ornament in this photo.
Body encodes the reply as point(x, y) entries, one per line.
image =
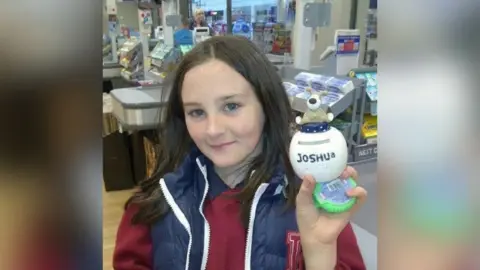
point(330, 206)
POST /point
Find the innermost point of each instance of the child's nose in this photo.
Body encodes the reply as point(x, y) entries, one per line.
point(215, 126)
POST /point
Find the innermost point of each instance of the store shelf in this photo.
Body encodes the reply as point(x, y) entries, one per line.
point(300, 105)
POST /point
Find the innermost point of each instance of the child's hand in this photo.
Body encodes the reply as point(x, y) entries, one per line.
point(318, 228)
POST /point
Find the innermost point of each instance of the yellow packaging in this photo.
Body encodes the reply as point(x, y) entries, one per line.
point(369, 127)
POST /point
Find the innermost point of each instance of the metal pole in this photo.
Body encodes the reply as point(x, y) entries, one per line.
point(190, 9)
point(303, 38)
point(156, 21)
point(353, 15)
point(229, 16)
point(169, 7)
point(184, 8)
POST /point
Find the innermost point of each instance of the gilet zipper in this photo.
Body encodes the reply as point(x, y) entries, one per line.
point(251, 222)
point(181, 218)
point(206, 233)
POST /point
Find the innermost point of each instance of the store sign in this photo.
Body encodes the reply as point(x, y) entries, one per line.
point(349, 44)
point(364, 152)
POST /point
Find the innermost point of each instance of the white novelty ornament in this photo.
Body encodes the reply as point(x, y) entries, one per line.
point(320, 150)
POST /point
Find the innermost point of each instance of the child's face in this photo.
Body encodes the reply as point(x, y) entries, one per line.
point(223, 116)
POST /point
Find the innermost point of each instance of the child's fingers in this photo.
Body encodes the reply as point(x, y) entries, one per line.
point(349, 172)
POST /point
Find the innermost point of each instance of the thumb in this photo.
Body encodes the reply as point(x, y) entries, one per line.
point(304, 196)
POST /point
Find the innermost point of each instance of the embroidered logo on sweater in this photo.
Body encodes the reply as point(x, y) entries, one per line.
point(294, 252)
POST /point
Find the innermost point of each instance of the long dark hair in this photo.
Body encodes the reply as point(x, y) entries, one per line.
point(175, 142)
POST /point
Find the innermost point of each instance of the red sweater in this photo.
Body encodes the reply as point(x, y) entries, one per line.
point(227, 242)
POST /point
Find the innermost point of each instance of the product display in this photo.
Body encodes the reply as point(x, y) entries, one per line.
point(321, 151)
point(371, 48)
point(282, 42)
point(163, 60)
point(292, 89)
point(242, 28)
point(319, 83)
point(333, 89)
point(371, 78)
point(369, 128)
point(258, 36)
point(338, 96)
point(107, 48)
point(131, 58)
point(329, 89)
point(160, 53)
point(268, 37)
point(220, 28)
point(272, 38)
point(366, 139)
point(110, 124)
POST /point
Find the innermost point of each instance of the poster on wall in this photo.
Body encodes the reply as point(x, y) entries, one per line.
point(348, 44)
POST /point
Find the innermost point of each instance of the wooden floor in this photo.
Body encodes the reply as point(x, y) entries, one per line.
point(112, 212)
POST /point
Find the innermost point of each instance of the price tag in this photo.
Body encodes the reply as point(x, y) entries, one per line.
point(364, 152)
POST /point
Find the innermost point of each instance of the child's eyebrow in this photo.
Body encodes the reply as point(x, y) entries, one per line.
point(191, 104)
point(229, 97)
point(223, 98)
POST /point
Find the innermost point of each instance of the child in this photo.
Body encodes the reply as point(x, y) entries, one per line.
point(224, 195)
point(183, 36)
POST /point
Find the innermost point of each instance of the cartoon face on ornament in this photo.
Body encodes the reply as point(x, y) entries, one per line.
point(322, 155)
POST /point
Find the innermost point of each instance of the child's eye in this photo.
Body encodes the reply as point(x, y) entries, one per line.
point(196, 113)
point(231, 107)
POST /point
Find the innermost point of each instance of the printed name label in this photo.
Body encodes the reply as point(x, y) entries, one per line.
point(315, 158)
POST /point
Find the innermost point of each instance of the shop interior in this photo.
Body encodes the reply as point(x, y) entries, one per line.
point(139, 51)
